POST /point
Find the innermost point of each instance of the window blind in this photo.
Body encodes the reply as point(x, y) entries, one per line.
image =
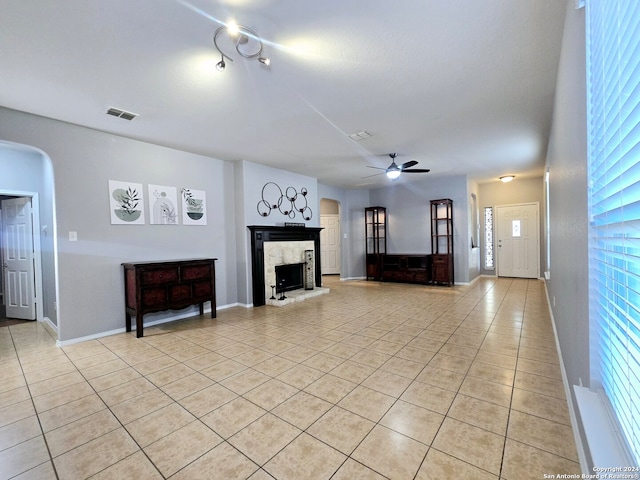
point(613, 64)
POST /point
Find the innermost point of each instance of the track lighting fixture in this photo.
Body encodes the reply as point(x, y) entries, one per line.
point(246, 42)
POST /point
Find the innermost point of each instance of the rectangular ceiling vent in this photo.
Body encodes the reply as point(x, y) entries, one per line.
point(116, 112)
point(358, 136)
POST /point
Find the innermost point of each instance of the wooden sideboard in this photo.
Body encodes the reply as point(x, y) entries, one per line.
point(406, 268)
point(167, 285)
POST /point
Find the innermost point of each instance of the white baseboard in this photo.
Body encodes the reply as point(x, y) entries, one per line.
point(582, 457)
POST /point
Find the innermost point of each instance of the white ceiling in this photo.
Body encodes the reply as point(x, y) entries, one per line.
point(461, 86)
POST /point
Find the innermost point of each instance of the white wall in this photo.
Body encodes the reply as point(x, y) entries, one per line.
point(409, 221)
point(567, 163)
point(90, 275)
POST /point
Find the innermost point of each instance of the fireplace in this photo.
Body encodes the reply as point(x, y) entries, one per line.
point(289, 277)
point(265, 236)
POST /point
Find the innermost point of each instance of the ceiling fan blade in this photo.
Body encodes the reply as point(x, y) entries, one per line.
point(417, 170)
point(374, 175)
point(408, 164)
point(377, 168)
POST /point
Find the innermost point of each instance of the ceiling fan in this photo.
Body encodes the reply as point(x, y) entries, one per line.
point(393, 171)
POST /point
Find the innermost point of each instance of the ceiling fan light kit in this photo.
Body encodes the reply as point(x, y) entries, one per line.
point(394, 171)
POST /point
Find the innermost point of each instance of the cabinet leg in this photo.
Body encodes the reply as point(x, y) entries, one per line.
point(127, 322)
point(138, 326)
point(201, 308)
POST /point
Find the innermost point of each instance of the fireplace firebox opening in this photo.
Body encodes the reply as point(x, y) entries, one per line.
point(289, 277)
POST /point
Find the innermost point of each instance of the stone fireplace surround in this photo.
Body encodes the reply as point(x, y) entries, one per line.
point(304, 238)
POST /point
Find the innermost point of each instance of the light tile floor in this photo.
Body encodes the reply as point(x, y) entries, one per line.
point(372, 381)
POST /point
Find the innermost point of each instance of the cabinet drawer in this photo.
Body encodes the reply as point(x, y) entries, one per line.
point(202, 289)
point(154, 297)
point(179, 293)
point(158, 276)
point(440, 258)
point(196, 272)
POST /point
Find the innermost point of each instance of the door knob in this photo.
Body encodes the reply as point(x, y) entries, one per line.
point(5, 265)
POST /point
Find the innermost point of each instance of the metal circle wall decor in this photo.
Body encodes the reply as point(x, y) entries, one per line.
point(288, 203)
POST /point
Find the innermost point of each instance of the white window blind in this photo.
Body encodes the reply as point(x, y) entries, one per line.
point(613, 63)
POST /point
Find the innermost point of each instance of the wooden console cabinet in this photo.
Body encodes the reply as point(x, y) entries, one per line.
point(406, 268)
point(167, 285)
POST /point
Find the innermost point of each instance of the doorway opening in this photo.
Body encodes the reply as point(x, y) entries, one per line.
point(330, 245)
point(518, 240)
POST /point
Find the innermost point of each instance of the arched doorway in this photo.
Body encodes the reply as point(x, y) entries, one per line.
point(27, 173)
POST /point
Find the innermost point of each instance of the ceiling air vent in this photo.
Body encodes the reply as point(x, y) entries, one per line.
point(357, 136)
point(116, 112)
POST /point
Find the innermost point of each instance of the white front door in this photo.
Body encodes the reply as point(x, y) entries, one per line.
point(518, 240)
point(330, 244)
point(18, 268)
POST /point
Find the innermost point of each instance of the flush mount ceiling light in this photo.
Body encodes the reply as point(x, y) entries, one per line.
point(507, 178)
point(245, 41)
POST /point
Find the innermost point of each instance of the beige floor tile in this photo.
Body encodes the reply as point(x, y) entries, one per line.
point(11, 383)
point(471, 444)
point(488, 391)
point(170, 374)
point(18, 432)
point(438, 377)
point(367, 403)
point(353, 371)
point(271, 394)
point(330, 388)
point(96, 455)
point(390, 453)
point(492, 373)
point(142, 405)
point(429, 397)
point(302, 409)
point(135, 466)
point(387, 383)
point(265, 437)
point(497, 359)
point(299, 353)
point(550, 387)
point(61, 396)
point(551, 408)
point(156, 364)
point(204, 361)
point(61, 381)
point(186, 386)
point(49, 371)
point(114, 379)
point(232, 417)
point(523, 462)
point(370, 358)
point(305, 457)
point(44, 471)
point(324, 362)
point(341, 429)
point(81, 431)
point(156, 425)
point(413, 421)
point(223, 462)
point(479, 413)
point(544, 369)
point(300, 376)
point(194, 439)
point(440, 466)
point(253, 357)
point(23, 457)
point(222, 370)
point(207, 399)
point(244, 381)
point(552, 437)
point(343, 350)
point(351, 470)
point(126, 391)
point(274, 366)
point(17, 411)
point(403, 367)
point(70, 412)
point(16, 395)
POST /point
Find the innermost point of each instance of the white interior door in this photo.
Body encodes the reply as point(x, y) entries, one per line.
point(518, 239)
point(330, 243)
point(18, 269)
